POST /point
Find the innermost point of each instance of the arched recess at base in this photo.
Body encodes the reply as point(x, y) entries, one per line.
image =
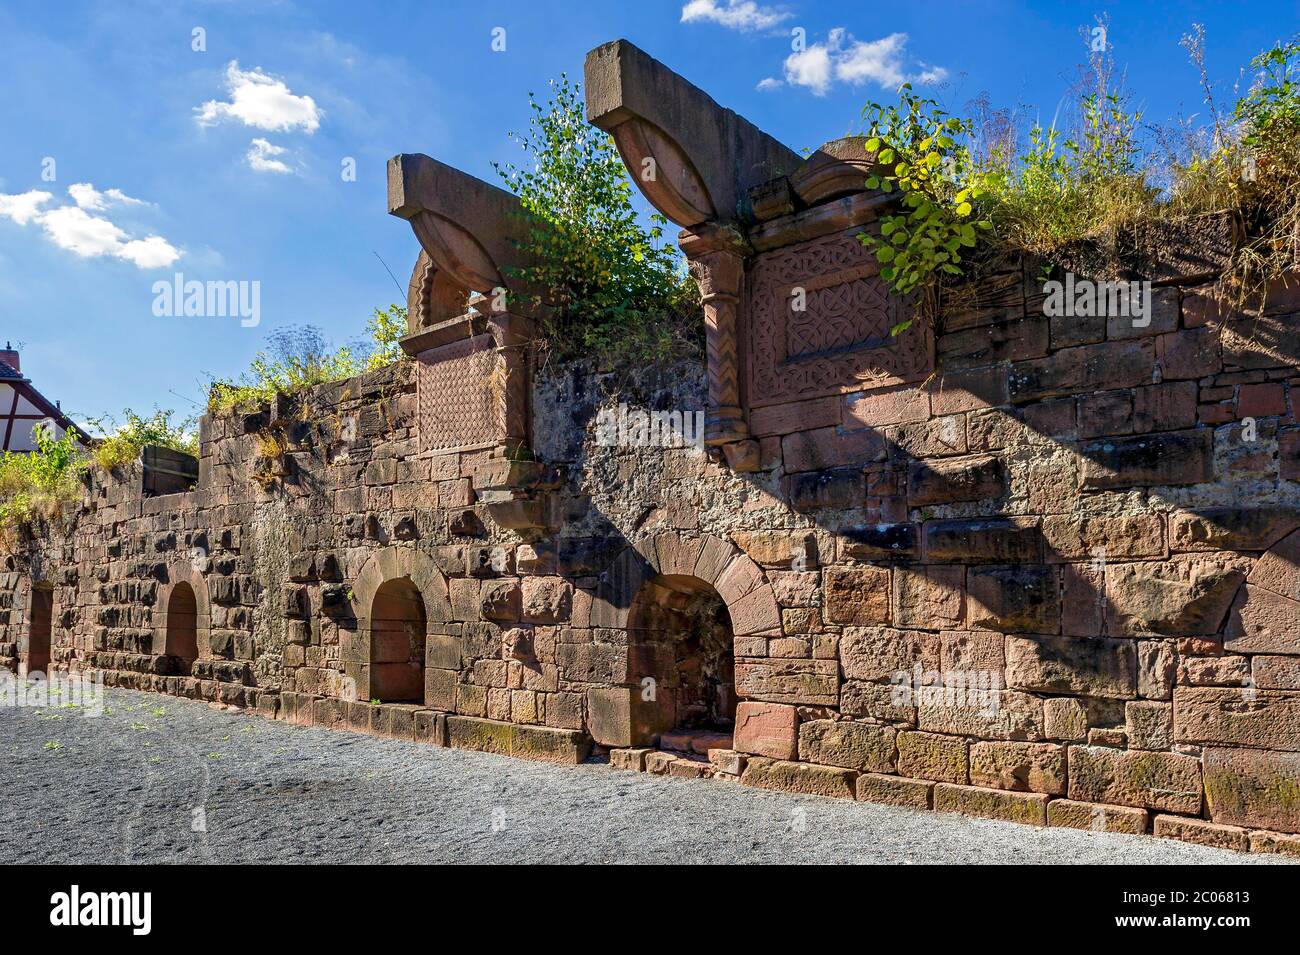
point(183, 593)
point(394, 610)
point(649, 590)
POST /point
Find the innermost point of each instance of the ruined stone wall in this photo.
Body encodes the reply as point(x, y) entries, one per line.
point(1029, 566)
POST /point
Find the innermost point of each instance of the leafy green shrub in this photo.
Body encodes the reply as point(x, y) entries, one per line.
point(1062, 188)
point(121, 445)
point(299, 357)
point(39, 483)
point(918, 154)
point(615, 288)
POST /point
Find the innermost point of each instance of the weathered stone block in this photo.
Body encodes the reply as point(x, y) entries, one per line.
point(932, 756)
point(807, 682)
point(1171, 458)
point(1086, 666)
point(798, 778)
point(859, 746)
point(841, 488)
point(1268, 719)
point(620, 716)
point(858, 596)
point(1261, 621)
point(1201, 832)
point(1017, 598)
point(1028, 808)
point(1253, 788)
point(877, 654)
point(985, 541)
point(1021, 767)
point(929, 597)
point(894, 790)
point(989, 714)
point(1168, 781)
point(767, 729)
point(1149, 725)
point(1176, 598)
point(1231, 528)
point(872, 541)
point(541, 743)
point(1069, 537)
point(1097, 817)
point(957, 479)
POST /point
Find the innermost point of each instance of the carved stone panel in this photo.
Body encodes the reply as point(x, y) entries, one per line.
point(460, 406)
point(841, 340)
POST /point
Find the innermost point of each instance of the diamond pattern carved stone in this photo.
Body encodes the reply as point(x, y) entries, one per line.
point(458, 406)
point(841, 341)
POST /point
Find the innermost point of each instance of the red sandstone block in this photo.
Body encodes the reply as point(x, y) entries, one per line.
point(795, 416)
point(1097, 817)
point(1028, 808)
point(1275, 842)
point(1201, 832)
point(824, 448)
point(767, 729)
point(1288, 452)
point(1261, 400)
point(887, 406)
point(798, 778)
point(894, 790)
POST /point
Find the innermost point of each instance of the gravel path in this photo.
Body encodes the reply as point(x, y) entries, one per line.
point(141, 783)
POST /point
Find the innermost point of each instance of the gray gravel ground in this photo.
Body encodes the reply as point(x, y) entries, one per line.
point(124, 787)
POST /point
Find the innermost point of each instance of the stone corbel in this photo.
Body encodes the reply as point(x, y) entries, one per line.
point(693, 159)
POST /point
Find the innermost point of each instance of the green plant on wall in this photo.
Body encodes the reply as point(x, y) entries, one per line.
point(123, 443)
point(613, 286)
point(920, 155)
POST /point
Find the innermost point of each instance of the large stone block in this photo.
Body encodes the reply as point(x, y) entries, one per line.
point(988, 714)
point(1261, 621)
point(1268, 719)
point(541, 743)
point(932, 756)
point(1022, 598)
point(1253, 788)
point(1168, 781)
point(1021, 767)
point(859, 746)
point(956, 479)
point(1085, 666)
point(872, 541)
point(1084, 370)
point(879, 654)
point(1030, 808)
point(1201, 832)
point(1171, 458)
point(806, 682)
point(858, 596)
point(802, 778)
point(894, 790)
point(767, 729)
point(1177, 598)
point(984, 541)
point(1231, 528)
point(1097, 817)
point(1069, 537)
point(838, 488)
point(622, 716)
point(929, 597)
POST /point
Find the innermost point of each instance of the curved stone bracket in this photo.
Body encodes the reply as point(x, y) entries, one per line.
point(706, 157)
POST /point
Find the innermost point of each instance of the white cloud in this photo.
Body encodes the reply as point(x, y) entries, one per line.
point(736, 14)
point(843, 59)
point(75, 229)
point(87, 196)
point(25, 206)
point(261, 101)
point(768, 83)
point(261, 156)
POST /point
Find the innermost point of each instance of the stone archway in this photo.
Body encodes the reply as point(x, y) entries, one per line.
point(182, 617)
point(659, 591)
point(394, 586)
point(182, 640)
point(40, 627)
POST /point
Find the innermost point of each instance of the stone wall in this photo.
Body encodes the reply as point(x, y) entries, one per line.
point(1032, 567)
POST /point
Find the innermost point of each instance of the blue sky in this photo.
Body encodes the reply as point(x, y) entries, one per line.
point(224, 164)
